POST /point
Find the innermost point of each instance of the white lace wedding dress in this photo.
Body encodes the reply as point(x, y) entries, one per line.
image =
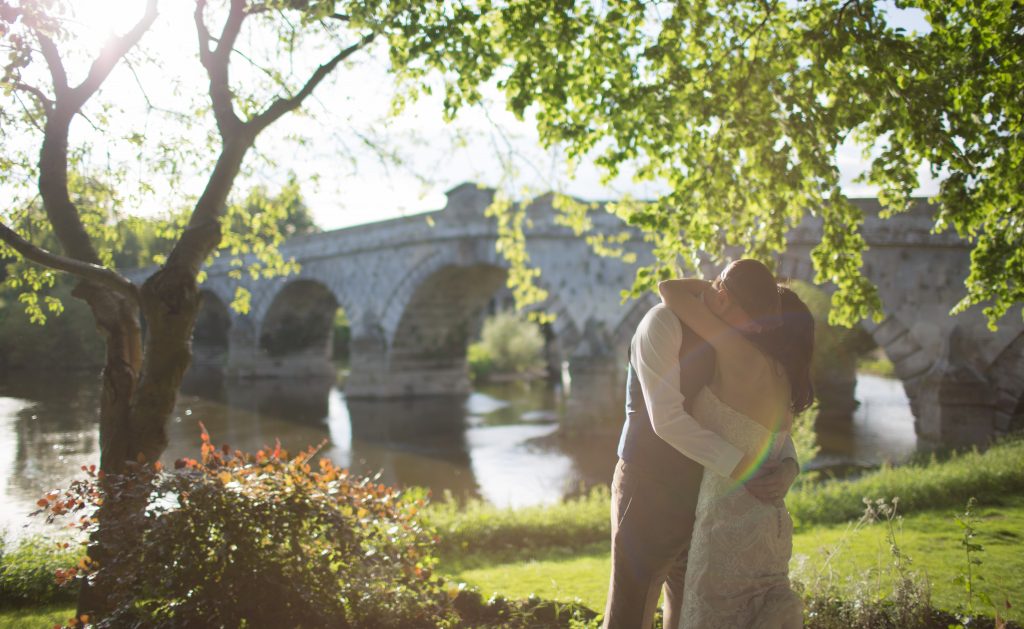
point(737, 572)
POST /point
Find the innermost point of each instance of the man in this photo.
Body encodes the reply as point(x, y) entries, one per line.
point(663, 450)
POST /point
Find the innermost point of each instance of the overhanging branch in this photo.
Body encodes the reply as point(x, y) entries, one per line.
point(282, 106)
point(92, 272)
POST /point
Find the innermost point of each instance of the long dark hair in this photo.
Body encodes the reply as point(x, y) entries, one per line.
point(791, 344)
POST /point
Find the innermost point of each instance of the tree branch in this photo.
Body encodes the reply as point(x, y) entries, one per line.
point(92, 272)
point(232, 27)
point(43, 99)
point(113, 52)
point(52, 57)
point(203, 33)
point(281, 106)
point(216, 62)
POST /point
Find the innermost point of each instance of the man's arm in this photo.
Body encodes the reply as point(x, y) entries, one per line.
point(655, 356)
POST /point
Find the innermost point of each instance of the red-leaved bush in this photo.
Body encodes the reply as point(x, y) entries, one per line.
point(234, 539)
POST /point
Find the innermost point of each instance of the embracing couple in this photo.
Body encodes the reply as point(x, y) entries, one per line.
point(717, 372)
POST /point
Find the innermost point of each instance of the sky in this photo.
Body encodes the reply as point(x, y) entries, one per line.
point(347, 128)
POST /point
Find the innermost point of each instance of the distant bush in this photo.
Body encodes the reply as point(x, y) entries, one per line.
point(508, 344)
point(67, 340)
point(481, 364)
point(27, 568)
point(876, 363)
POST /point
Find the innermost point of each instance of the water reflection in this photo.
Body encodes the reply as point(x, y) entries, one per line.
point(881, 429)
point(500, 444)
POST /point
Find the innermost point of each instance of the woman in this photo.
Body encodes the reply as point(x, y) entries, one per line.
point(737, 573)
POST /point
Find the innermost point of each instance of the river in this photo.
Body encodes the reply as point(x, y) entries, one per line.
point(500, 444)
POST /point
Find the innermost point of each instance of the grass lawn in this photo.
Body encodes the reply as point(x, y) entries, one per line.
point(36, 617)
point(931, 539)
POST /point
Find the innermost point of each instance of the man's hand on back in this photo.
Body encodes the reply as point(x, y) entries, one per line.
point(774, 482)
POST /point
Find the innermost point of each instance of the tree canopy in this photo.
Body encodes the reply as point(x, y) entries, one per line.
point(739, 107)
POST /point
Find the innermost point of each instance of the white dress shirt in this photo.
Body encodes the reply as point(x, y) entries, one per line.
point(655, 357)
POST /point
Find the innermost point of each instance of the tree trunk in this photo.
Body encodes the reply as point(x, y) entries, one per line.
point(139, 393)
point(118, 322)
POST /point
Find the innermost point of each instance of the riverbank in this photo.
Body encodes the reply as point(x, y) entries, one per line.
point(560, 552)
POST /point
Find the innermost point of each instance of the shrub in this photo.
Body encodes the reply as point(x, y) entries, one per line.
point(481, 365)
point(260, 540)
point(510, 344)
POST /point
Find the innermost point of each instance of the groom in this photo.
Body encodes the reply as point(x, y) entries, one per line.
point(663, 450)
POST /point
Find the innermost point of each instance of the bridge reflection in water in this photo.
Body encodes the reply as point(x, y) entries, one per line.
point(499, 443)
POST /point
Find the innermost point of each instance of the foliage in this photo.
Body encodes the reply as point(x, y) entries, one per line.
point(876, 363)
point(261, 539)
point(68, 341)
point(508, 344)
point(256, 228)
point(342, 335)
point(534, 612)
point(805, 439)
point(480, 362)
point(27, 569)
point(738, 110)
point(835, 347)
point(969, 578)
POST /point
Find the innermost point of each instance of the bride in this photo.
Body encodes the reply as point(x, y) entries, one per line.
point(737, 571)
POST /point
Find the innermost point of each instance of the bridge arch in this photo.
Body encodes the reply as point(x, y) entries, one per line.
point(438, 321)
point(417, 346)
point(295, 333)
point(211, 334)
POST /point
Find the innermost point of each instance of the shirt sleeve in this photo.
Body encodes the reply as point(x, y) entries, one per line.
point(655, 356)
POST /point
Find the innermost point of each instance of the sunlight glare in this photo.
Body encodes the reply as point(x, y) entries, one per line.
point(99, 20)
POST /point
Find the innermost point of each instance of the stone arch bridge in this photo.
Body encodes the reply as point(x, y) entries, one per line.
point(415, 290)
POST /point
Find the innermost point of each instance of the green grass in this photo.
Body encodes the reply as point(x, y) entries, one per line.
point(931, 539)
point(478, 526)
point(926, 485)
point(36, 617)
